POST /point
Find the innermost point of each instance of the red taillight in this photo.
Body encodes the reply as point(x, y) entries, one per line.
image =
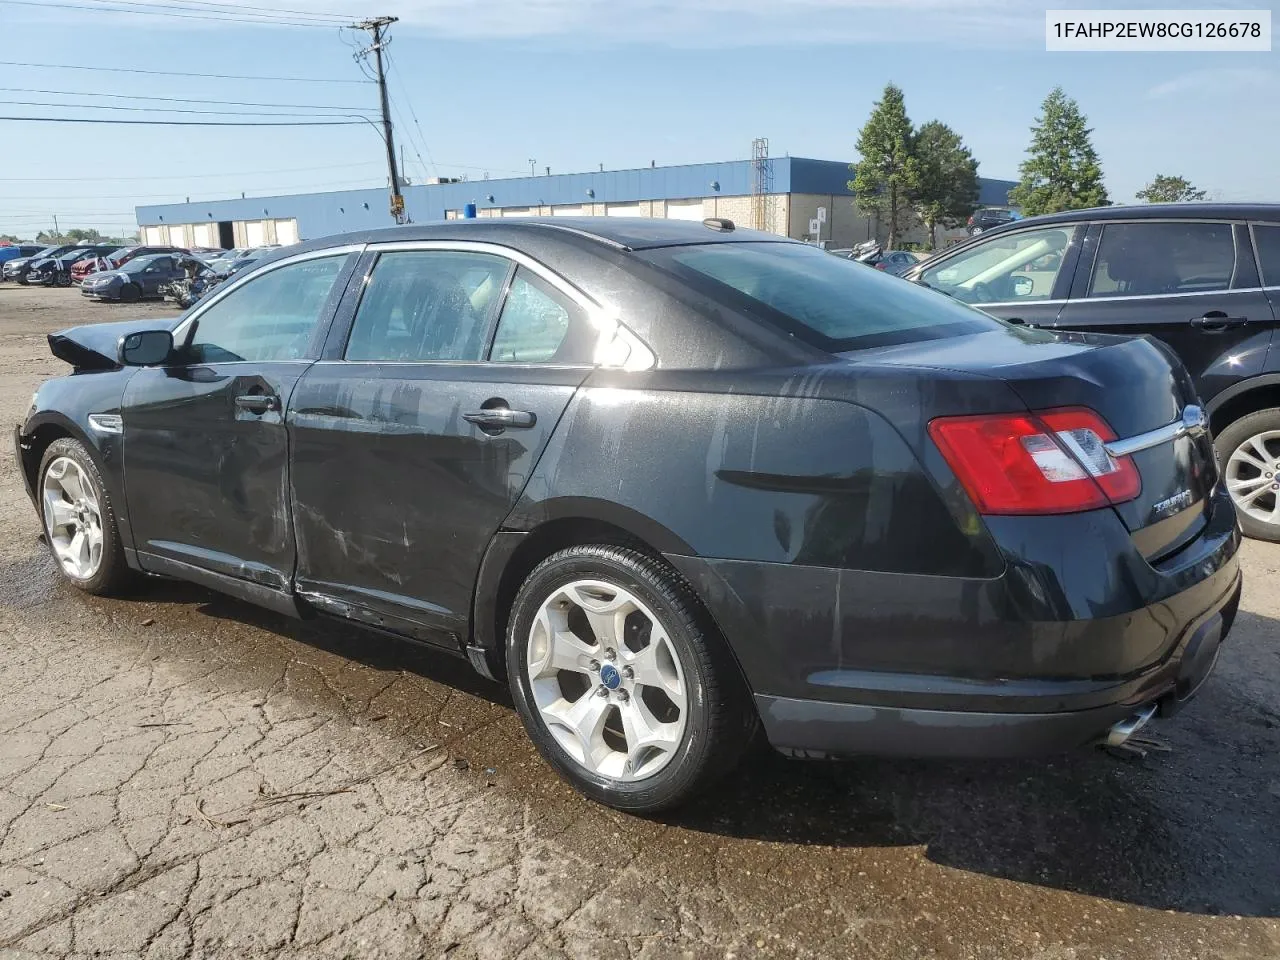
point(1048, 462)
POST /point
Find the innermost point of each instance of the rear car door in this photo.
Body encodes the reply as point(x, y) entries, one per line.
point(205, 451)
point(1017, 275)
point(415, 436)
point(1192, 284)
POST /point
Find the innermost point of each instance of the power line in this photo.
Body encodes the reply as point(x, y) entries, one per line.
point(132, 96)
point(249, 10)
point(116, 106)
point(175, 73)
point(391, 65)
point(47, 4)
point(187, 123)
point(188, 176)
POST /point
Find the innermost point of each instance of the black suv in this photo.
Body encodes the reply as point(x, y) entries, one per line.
point(1204, 278)
point(988, 218)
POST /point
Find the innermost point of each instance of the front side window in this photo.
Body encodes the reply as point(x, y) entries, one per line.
point(1163, 258)
point(427, 305)
point(1021, 266)
point(270, 317)
point(539, 324)
point(832, 302)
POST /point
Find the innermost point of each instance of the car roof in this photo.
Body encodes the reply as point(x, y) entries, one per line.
point(629, 233)
point(1158, 211)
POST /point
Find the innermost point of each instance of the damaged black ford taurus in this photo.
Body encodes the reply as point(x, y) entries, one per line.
point(675, 481)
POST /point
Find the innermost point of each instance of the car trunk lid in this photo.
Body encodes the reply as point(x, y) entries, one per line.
point(1135, 384)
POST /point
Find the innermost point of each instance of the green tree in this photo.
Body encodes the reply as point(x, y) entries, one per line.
point(49, 237)
point(8, 238)
point(1169, 189)
point(887, 174)
point(83, 235)
point(947, 189)
point(1061, 171)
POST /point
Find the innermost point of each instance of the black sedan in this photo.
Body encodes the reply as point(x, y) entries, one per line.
point(673, 482)
point(142, 277)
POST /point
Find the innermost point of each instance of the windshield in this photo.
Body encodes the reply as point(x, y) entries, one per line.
point(834, 303)
point(138, 264)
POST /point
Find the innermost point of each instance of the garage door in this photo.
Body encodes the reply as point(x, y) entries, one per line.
point(155, 236)
point(204, 235)
point(566, 211)
point(255, 233)
point(684, 210)
point(178, 236)
point(518, 211)
point(286, 232)
point(623, 210)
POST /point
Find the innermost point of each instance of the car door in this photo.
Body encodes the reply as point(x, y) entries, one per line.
point(1017, 275)
point(1192, 284)
point(205, 450)
point(416, 435)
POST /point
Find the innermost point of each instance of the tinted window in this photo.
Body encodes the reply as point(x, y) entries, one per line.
point(834, 303)
point(427, 305)
point(1146, 259)
point(270, 317)
point(1021, 266)
point(1267, 240)
point(539, 324)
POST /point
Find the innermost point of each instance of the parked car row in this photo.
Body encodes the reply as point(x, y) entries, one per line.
point(73, 264)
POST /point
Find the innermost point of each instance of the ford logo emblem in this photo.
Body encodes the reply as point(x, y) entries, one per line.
point(610, 676)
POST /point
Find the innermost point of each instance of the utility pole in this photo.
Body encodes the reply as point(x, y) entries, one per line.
point(376, 27)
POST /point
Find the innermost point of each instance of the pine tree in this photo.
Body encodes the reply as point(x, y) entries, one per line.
point(947, 190)
point(887, 173)
point(1170, 189)
point(1061, 171)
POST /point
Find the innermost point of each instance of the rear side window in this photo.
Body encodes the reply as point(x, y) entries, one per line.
point(427, 305)
point(539, 324)
point(1163, 257)
point(1267, 240)
point(831, 302)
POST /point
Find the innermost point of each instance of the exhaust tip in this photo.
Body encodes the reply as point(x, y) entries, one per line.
point(1130, 725)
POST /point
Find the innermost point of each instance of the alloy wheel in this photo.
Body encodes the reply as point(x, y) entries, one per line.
point(72, 518)
point(607, 680)
point(1253, 476)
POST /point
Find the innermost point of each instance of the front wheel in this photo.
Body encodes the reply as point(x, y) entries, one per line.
point(622, 681)
point(130, 293)
point(1249, 455)
point(79, 519)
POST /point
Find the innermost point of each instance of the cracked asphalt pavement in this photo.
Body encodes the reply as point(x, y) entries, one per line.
point(182, 775)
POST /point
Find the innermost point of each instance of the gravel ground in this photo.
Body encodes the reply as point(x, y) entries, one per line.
point(184, 775)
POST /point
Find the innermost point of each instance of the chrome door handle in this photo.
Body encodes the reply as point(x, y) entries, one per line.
point(500, 418)
point(258, 402)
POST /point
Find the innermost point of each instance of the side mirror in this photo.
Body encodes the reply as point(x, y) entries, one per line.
point(146, 348)
point(1022, 286)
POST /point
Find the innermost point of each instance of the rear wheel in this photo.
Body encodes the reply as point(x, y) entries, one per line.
point(79, 520)
point(621, 680)
point(130, 293)
point(1249, 456)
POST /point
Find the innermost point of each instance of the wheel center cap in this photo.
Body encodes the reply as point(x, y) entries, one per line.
point(610, 676)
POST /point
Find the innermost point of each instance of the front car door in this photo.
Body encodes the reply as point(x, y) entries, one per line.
point(1017, 275)
point(1192, 284)
point(206, 453)
point(416, 435)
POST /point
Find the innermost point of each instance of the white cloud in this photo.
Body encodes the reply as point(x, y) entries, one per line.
point(1216, 82)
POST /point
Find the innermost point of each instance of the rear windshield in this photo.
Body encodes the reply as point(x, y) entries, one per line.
point(831, 302)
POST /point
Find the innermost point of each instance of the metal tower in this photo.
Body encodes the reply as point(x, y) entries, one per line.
point(761, 185)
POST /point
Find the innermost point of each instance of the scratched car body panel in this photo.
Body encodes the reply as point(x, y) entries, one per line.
point(684, 390)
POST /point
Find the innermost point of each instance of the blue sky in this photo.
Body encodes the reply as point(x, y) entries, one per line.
point(577, 83)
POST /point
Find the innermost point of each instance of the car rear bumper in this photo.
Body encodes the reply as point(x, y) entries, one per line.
point(852, 662)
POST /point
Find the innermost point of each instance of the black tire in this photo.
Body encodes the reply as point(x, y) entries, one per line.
point(721, 721)
point(130, 293)
point(113, 575)
point(1228, 442)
